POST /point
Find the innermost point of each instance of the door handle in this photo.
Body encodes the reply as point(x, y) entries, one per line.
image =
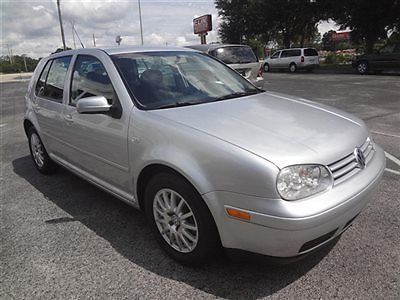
point(68, 118)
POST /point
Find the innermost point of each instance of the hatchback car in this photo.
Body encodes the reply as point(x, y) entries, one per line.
point(293, 59)
point(212, 160)
point(241, 58)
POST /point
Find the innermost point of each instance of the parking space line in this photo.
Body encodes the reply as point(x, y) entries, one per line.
point(393, 158)
point(386, 134)
point(392, 171)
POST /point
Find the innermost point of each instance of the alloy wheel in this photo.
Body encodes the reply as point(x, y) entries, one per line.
point(362, 68)
point(175, 220)
point(37, 150)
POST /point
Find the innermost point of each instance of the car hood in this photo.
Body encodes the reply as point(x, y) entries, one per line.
point(279, 128)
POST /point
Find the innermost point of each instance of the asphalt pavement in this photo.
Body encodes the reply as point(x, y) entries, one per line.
point(62, 238)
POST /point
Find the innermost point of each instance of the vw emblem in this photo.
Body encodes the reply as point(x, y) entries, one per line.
point(360, 158)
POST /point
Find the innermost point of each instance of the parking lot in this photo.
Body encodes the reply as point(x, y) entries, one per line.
point(62, 238)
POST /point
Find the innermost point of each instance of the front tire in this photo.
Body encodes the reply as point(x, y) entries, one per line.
point(180, 220)
point(40, 158)
point(266, 67)
point(362, 67)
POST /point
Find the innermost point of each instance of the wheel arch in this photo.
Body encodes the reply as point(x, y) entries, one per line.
point(28, 124)
point(149, 172)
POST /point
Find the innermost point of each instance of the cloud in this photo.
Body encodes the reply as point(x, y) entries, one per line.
point(32, 28)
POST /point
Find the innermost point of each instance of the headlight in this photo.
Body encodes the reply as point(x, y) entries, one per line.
point(300, 181)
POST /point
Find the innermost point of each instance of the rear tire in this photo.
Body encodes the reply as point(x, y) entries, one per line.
point(266, 67)
point(180, 220)
point(292, 68)
point(40, 158)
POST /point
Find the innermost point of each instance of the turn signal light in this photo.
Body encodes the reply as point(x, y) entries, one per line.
point(238, 214)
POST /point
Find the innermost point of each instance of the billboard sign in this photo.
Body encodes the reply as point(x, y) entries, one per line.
point(202, 24)
point(341, 36)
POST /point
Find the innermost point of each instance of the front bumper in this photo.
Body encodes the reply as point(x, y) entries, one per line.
point(290, 228)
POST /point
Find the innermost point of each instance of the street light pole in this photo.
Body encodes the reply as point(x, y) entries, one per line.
point(61, 25)
point(140, 19)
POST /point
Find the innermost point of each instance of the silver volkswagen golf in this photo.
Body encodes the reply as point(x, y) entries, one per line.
point(213, 161)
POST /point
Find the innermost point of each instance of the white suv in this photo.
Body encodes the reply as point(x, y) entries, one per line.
point(293, 59)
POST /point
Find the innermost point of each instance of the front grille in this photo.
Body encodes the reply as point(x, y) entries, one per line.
point(347, 166)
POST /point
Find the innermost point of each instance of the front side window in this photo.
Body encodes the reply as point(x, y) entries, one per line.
point(275, 55)
point(168, 79)
point(90, 78)
point(54, 85)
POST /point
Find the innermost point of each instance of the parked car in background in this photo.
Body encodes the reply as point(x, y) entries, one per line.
point(293, 59)
point(241, 58)
point(212, 160)
point(387, 58)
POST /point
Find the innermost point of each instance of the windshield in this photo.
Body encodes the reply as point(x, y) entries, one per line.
point(170, 79)
point(235, 55)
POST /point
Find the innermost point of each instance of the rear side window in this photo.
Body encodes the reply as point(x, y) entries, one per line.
point(90, 78)
point(291, 53)
point(51, 81)
point(310, 52)
point(235, 55)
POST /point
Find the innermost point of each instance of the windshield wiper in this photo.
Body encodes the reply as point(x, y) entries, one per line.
point(237, 95)
point(178, 104)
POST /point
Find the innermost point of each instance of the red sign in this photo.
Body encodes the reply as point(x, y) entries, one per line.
point(202, 24)
point(341, 36)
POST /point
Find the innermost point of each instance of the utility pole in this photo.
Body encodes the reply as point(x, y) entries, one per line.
point(9, 54)
point(73, 33)
point(26, 68)
point(61, 25)
point(140, 19)
point(94, 41)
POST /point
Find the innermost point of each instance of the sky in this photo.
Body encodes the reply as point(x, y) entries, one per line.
point(31, 27)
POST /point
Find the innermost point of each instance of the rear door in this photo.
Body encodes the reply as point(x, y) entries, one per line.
point(48, 102)
point(97, 143)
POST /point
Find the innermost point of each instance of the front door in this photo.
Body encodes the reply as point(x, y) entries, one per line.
point(97, 143)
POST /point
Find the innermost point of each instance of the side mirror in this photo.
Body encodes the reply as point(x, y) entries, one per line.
point(94, 104)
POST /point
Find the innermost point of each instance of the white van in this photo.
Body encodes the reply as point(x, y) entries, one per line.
point(293, 59)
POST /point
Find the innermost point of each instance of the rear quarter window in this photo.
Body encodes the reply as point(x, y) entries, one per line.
point(310, 52)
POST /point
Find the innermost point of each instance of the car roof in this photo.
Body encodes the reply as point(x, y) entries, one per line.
point(296, 48)
point(121, 50)
point(207, 47)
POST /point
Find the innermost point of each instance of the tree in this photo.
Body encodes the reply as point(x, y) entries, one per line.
point(235, 17)
point(18, 64)
point(368, 20)
point(284, 21)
